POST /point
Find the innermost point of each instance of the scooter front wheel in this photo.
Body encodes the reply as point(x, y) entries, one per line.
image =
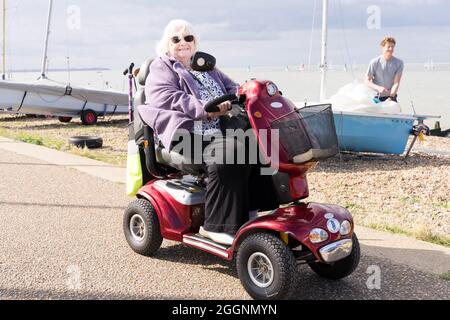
point(266, 267)
point(141, 227)
point(341, 268)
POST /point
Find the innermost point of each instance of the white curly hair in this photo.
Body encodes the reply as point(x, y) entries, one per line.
point(175, 27)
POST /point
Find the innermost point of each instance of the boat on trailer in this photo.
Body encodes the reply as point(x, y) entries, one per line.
point(377, 133)
point(48, 97)
point(370, 132)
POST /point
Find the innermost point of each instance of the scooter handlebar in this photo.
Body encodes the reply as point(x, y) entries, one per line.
point(129, 70)
point(211, 106)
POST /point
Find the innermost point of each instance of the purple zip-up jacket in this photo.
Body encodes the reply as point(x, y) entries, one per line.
point(173, 99)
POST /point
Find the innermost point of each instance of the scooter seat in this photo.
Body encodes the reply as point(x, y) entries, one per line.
point(178, 161)
point(163, 155)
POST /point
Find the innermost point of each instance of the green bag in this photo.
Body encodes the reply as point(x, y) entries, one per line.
point(134, 169)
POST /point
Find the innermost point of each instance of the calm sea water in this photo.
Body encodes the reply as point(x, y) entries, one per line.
point(428, 91)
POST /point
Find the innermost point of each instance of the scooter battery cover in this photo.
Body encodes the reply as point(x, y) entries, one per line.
point(185, 191)
point(308, 134)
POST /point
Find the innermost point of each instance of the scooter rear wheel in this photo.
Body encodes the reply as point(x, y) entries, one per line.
point(266, 267)
point(141, 227)
point(342, 268)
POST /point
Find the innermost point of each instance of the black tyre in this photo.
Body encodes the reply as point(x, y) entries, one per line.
point(141, 227)
point(266, 267)
point(65, 119)
point(89, 117)
point(91, 142)
point(342, 268)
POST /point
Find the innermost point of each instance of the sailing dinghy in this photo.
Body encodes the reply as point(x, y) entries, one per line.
point(48, 97)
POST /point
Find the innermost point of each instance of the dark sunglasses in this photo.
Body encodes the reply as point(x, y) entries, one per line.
point(176, 39)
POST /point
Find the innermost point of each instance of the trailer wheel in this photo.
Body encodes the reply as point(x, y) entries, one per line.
point(141, 227)
point(65, 119)
point(266, 267)
point(89, 117)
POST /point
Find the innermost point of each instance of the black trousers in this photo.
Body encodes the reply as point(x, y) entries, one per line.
point(233, 189)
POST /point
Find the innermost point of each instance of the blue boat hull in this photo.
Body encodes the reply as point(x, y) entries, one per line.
point(372, 133)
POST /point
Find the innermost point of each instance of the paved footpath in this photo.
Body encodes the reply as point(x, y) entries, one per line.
point(61, 238)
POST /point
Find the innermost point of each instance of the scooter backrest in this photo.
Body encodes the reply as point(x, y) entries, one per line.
point(144, 71)
point(139, 99)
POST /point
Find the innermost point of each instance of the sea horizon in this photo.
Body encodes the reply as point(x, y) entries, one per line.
point(423, 89)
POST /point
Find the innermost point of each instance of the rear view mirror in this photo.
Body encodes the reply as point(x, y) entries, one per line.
point(202, 61)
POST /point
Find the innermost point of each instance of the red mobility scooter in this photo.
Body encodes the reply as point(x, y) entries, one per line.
point(268, 247)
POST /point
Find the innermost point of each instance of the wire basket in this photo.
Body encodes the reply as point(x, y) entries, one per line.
point(308, 134)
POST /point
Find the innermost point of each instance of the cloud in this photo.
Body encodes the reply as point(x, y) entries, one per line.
point(394, 2)
point(114, 32)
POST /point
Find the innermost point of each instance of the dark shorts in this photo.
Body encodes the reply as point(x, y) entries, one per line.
point(385, 98)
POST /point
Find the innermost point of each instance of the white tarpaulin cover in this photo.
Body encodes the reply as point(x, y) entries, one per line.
point(358, 97)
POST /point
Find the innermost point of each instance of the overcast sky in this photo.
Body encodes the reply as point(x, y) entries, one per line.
point(111, 33)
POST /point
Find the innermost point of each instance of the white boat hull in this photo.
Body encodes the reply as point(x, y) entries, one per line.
point(376, 133)
point(48, 98)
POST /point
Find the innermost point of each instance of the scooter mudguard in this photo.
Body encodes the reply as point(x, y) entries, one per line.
point(174, 205)
point(297, 221)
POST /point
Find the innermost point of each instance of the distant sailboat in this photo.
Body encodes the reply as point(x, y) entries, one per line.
point(47, 97)
point(429, 65)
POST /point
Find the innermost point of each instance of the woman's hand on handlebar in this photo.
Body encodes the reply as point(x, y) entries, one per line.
point(224, 108)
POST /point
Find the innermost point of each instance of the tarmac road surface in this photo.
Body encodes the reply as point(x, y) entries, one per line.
point(61, 238)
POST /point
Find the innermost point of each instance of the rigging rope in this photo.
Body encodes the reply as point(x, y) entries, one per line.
point(344, 34)
point(13, 23)
point(66, 28)
point(312, 34)
point(340, 46)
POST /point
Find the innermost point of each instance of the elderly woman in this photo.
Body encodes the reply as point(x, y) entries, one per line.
point(176, 96)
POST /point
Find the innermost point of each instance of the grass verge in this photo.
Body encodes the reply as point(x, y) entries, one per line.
point(61, 145)
point(442, 205)
point(420, 234)
point(445, 275)
point(33, 139)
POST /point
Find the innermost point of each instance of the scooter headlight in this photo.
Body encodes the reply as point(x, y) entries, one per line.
point(346, 227)
point(318, 235)
point(271, 88)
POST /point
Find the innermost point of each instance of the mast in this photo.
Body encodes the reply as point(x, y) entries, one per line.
point(44, 58)
point(4, 41)
point(323, 55)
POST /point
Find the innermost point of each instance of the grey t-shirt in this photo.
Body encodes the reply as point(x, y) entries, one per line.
point(383, 72)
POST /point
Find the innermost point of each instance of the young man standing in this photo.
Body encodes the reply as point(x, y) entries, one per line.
point(384, 72)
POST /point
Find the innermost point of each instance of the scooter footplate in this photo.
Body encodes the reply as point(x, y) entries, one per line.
point(205, 244)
